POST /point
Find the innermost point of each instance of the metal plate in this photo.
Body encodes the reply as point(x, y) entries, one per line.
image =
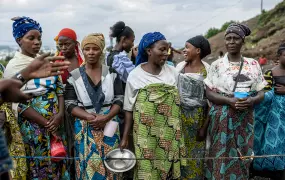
point(119, 162)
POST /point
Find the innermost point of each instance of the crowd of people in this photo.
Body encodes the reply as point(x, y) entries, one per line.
point(190, 121)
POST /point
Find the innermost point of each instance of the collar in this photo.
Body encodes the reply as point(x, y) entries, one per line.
point(182, 65)
point(226, 62)
point(23, 57)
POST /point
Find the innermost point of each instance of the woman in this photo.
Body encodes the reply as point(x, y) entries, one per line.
point(171, 51)
point(10, 92)
point(152, 106)
point(231, 118)
point(94, 97)
point(269, 123)
point(133, 54)
point(39, 118)
point(194, 103)
point(69, 48)
point(118, 57)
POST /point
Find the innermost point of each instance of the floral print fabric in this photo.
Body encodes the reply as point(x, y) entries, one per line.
point(222, 74)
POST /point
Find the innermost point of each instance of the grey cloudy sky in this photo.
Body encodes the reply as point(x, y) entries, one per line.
point(178, 20)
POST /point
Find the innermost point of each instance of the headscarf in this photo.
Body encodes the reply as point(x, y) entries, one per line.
point(69, 33)
point(94, 38)
point(239, 29)
point(202, 43)
point(146, 41)
point(22, 25)
point(57, 47)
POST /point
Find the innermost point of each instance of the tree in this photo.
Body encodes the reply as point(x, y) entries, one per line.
point(212, 32)
point(225, 25)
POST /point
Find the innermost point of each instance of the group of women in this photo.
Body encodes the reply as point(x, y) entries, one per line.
point(164, 112)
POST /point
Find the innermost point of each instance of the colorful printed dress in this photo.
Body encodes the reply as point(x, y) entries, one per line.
point(157, 130)
point(194, 113)
point(14, 139)
point(92, 145)
point(5, 159)
point(231, 131)
point(269, 134)
point(15, 143)
point(36, 137)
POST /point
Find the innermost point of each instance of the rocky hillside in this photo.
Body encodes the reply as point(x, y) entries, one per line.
point(268, 32)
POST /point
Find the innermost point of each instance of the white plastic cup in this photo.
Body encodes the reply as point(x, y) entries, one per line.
point(110, 128)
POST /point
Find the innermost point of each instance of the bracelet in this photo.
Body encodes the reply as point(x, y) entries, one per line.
point(20, 77)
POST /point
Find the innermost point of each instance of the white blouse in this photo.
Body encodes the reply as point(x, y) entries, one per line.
point(139, 79)
point(221, 76)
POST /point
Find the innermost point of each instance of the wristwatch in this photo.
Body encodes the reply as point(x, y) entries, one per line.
point(20, 77)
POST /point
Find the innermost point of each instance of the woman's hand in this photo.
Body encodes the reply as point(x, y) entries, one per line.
point(99, 122)
point(232, 103)
point(124, 144)
point(54, 123)
point(244, 103)
point(10, 91)
point(279, 89)
point(44, 66)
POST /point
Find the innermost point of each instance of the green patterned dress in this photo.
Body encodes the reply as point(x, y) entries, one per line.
point(157, 133)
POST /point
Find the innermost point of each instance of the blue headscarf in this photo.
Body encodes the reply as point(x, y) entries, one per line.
point(23, 25)
point(146, 41)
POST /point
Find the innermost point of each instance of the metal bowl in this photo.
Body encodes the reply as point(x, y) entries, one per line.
point(119, 161)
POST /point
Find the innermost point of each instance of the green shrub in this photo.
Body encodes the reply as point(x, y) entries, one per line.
point(212, 32)
point(225, 25)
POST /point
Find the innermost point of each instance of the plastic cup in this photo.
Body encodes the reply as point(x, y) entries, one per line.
point(240, 95)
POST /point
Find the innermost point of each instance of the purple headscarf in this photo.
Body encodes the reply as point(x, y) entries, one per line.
point(239, 29)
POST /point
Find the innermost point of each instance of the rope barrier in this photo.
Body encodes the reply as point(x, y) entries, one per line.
point(152, 159)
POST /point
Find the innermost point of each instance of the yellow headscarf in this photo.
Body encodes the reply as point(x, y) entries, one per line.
point(97, 39)
point(57, 49)
point(94, 38)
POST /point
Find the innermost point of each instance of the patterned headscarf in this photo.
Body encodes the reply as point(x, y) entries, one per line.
point(146, 41)
point(22, 25)
point(94, 38)
point(239, 29)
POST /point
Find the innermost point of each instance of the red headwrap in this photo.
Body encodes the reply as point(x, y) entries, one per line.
point(68, 33)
